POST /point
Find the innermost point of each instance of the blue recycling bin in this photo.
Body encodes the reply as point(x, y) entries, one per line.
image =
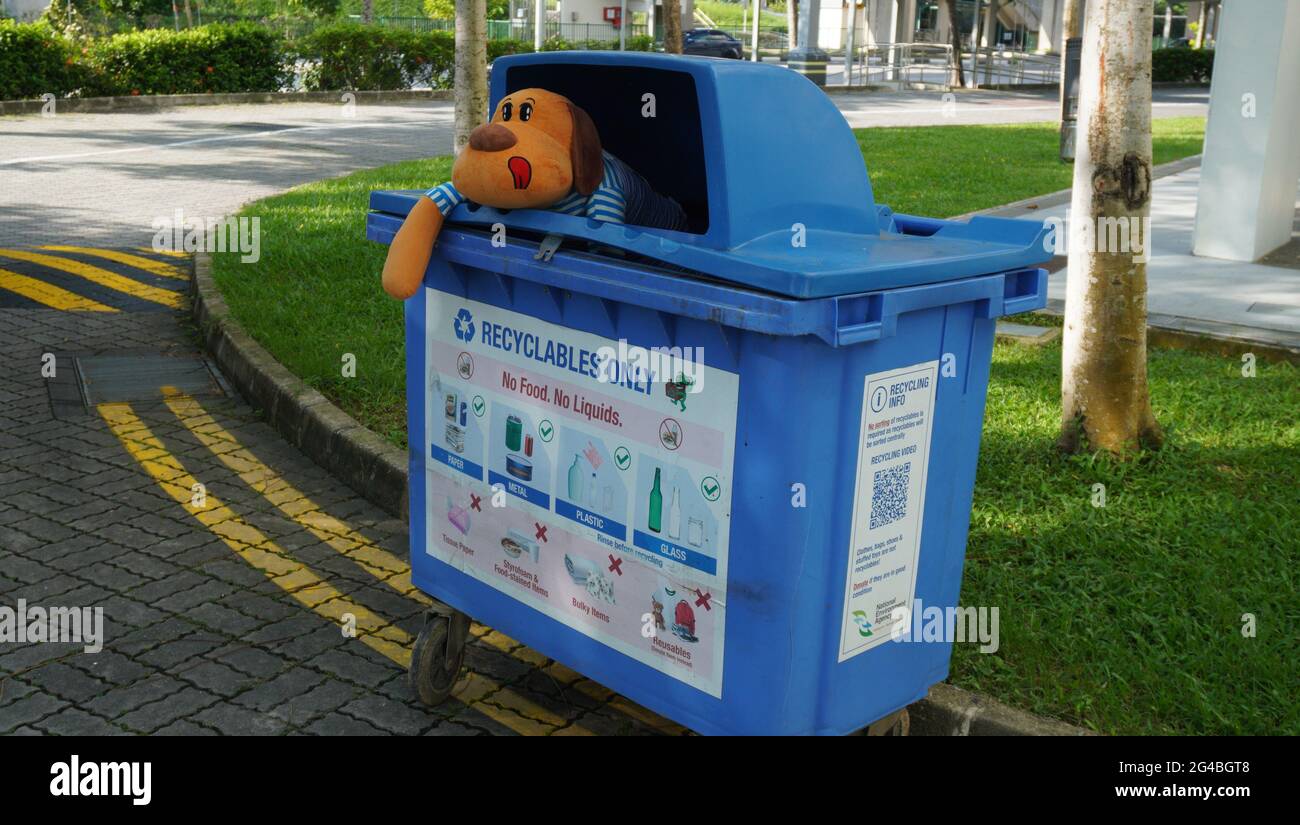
point(726, 539)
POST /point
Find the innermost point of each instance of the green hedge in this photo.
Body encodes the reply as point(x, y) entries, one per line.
point(35, 60)
point(242, 57)
point(370, 58)
point(1182, 65)
point(214, 58)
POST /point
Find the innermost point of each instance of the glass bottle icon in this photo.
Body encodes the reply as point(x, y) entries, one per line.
point(655, 520)
point(675, 517)
point(575, 481)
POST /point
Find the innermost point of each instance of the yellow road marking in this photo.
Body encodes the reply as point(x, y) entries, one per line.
point(146, 264)
point(167, 252)
point(298, 581)
point(580, 683)
point(50, 296)
point(102, 277)
point(376, 561)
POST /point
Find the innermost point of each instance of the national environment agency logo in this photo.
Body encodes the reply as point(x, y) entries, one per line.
point(864, 626)
point(464, 325)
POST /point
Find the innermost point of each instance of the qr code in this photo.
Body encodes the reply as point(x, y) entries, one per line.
point(889, 495)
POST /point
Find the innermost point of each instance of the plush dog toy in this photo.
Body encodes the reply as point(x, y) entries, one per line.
point(539, 151)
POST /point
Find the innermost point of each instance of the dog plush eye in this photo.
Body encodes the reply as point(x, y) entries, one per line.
point(525, 111)
point(506, 109)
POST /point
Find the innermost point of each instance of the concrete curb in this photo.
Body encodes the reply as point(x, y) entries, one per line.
point(951, 711)
point(140, 103)
point(377, 471)
point(305, 418)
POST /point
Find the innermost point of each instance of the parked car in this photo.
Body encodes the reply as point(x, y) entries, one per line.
point(711, 43)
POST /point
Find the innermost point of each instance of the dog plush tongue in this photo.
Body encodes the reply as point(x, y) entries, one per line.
point(521, 170)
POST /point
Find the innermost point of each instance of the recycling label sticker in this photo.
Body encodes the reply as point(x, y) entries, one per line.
point(888, 504)
point(561, 474)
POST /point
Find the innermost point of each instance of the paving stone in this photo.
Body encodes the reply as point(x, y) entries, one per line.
point(253, 661)
point(280, 689)
point(184, 727)
point(172, 653)
point(76, 722)
point(113, 668)
point(155, 715)
point(65, 681)
point(389, 714)
point(121, 700)
point(320, 700)
point(29, 709)
point(337, 724)
point(216, 678)
point(234, 720)
point(452, 729)
point(351, 668)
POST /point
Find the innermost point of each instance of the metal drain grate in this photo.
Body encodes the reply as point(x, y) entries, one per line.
point(141, 378)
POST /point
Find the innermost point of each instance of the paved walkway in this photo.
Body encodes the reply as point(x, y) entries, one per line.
point(1254, 300)
point(224, 614)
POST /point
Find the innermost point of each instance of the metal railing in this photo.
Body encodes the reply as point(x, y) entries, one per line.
point(908, 64)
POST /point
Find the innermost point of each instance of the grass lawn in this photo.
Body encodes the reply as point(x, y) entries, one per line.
point(1123, 618)
point(943, 171)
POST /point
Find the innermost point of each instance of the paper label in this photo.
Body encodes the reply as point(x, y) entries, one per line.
point(888, 503)
point(560, 476)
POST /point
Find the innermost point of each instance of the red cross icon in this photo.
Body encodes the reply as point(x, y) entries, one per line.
point(703, 600)
point(541, 531)
point(473, 502)
point(615, 564)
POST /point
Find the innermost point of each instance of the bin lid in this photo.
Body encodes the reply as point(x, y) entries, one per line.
point(768, 170)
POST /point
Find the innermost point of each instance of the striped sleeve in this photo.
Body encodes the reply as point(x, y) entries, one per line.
point(445, 197)
point(609, 202)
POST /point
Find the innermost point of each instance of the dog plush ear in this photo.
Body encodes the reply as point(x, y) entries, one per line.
point(585, 153)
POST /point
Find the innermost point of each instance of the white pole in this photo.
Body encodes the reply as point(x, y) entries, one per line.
point(753, 40)
point(539, 25)
point(622, 25)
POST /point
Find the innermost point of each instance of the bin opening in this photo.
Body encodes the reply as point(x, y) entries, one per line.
point(615, 97)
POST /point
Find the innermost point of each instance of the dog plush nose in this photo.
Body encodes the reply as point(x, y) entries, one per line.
point(491, 137)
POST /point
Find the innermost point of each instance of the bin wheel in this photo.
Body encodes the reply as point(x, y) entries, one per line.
point(895, 724)
point(437, 656)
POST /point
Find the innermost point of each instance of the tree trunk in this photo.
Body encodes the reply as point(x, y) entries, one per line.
point(792, 23)
point(367, 11)
point(672, 26)
point(955, 31)
point(1104, 398)
point(1169, 24)
point(1071, 27)
point(1200, 23)
point(991, 36)
point(470, 82)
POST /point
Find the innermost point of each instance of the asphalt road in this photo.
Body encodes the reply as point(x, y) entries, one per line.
point(105, 178)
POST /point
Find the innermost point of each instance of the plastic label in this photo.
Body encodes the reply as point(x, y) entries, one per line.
point(888, 504)
point(560, 475)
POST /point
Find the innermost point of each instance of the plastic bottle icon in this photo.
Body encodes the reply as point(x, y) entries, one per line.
point(675, 517)
point(655, 520)
point(575, 481)
point(592, 502)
